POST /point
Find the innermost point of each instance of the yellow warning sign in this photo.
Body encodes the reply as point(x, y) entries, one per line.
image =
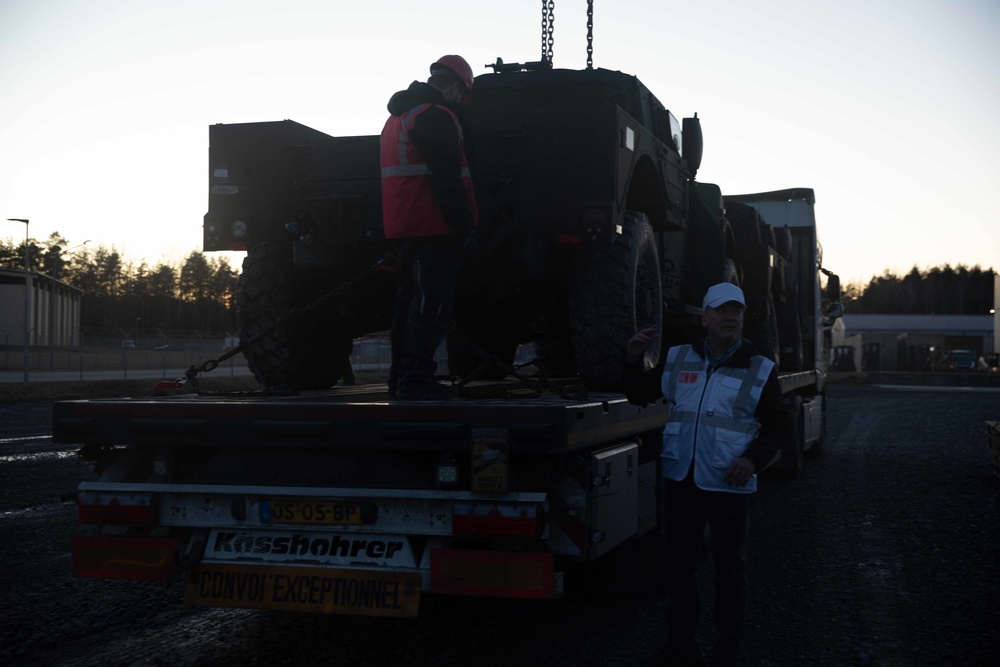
point(489, 460)
point(333, 591)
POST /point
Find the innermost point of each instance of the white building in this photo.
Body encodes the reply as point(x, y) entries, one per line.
point(53, 310)
point(905, 342)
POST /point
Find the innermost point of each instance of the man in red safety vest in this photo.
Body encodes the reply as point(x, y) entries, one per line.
point(430, 215)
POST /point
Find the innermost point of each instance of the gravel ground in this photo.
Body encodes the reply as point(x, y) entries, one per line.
point(885, 552)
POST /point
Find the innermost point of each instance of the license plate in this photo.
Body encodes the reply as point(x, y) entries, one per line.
point(317, 512)
point(307, 589)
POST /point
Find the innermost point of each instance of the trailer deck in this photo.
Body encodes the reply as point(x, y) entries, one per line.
point(343, 417)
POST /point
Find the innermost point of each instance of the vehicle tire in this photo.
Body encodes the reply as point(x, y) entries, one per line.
point(310, 351)
point(761, 328)
point(790, 335)
point(615, 292)
point(730, 272)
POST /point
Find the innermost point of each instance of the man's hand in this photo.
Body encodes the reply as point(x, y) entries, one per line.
point(639, 343)
point(739, 472)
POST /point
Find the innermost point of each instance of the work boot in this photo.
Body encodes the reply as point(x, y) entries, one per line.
point(425, 392)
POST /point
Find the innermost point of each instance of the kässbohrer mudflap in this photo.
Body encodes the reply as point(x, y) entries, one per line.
point(388, 263)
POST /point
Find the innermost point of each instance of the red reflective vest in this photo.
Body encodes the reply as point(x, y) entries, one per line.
point(409, 207)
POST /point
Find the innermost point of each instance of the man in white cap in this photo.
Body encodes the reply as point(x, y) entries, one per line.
point(726, 423)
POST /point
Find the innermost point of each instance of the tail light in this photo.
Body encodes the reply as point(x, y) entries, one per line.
point(112, 507)
point(496, 519)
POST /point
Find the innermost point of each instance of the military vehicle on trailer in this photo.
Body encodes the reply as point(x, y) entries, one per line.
point(340, 500)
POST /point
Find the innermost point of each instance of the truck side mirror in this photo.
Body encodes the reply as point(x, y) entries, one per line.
point(832, 287)
point(835, 311)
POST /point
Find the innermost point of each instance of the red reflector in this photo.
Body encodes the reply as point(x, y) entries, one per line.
point(495, 525)
point(492, 573)
point(126, 508)
point(498, 519)
point(131, 514)
point(569, 239)
point(124, 558)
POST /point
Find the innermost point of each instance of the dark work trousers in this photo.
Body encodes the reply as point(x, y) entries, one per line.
point(425, 298)
point(686, 510)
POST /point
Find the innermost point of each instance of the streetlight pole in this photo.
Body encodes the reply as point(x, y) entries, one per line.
point(27, 295)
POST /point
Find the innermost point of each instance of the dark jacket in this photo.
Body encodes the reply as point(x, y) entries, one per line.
point(645, 386)
point(435, 136)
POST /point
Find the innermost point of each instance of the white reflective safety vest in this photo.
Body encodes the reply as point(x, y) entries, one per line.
point(712, 418)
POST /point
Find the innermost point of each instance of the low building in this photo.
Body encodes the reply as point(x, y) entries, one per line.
point(53, 310)
point(874, 342)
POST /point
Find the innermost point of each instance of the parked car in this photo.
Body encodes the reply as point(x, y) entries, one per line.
point(128, 345)
point(962, 360)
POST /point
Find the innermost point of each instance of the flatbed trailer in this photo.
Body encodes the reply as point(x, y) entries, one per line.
point(342, 417)
point(343, 501)
point(592, 226)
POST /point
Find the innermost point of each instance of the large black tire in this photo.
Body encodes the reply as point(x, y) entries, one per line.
point(761, 328)
point(311, 351)
point(790, 335)
point(613, 294)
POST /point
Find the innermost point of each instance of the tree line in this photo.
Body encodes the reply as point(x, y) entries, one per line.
point(941, 290)
point(122, 294)
point(199, 294)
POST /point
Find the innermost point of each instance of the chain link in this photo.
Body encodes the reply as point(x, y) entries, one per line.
point(590, 34)
point(548, 25)
point(385, 264)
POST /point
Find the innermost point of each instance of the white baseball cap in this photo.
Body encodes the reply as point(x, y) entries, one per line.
point(723, 293)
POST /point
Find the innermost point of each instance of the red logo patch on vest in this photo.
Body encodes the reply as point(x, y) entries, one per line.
point(687, 378)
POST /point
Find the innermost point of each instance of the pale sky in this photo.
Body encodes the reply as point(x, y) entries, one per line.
point(887, 108)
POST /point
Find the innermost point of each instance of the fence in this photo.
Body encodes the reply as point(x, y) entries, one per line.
point(85, 363)
point(104, 357)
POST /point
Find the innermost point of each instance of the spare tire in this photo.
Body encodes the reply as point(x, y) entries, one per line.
point(615, 292)
point(308, 352)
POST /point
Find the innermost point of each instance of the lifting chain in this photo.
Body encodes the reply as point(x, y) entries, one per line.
point(191, 374)
point(535, 385)
point(590, 34)
point(548, 25)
